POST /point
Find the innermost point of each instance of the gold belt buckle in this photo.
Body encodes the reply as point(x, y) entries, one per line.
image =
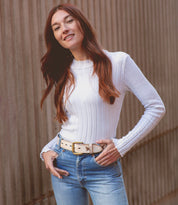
point(73, 148)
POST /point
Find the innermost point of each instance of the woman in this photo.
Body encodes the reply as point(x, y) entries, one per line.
point(90, 85)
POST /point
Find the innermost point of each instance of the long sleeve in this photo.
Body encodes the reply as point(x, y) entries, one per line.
point(49, 146)
point(135, 81)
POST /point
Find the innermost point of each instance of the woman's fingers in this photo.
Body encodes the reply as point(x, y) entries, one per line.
point(55, 173)
point(108, 159)
point(58, 172)
point(48, 159)
point(61, 171)
point(109, 155)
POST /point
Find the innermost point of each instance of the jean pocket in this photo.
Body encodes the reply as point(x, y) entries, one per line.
point(57, 159)
point(113, 165)
point(99, 165)
point(59, 152)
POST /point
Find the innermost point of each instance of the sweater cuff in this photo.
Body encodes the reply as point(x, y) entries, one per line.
point(119, 145)
point(49, 146)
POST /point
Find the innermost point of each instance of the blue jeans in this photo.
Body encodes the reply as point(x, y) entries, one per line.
point(104, 184)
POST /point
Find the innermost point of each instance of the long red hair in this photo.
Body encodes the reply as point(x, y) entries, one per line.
point(57, 60)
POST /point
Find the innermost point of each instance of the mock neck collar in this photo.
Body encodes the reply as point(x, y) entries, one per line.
point(81, 64)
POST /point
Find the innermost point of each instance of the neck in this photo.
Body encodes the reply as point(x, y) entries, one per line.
point(79, 55)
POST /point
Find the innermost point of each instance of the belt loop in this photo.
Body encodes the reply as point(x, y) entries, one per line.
point(59, 140)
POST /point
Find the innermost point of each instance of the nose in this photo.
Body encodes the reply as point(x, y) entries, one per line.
point(64, 29)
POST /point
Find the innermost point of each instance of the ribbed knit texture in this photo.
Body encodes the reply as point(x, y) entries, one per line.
point(92, 119)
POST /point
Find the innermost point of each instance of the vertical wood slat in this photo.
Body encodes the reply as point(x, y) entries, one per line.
point(147, 30)
point(20, 107)
point(9, 181)
point(3, 199)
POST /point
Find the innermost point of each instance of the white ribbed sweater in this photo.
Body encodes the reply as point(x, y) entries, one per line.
point(91, 119)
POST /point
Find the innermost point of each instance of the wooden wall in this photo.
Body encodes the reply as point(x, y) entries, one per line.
point(147, 30)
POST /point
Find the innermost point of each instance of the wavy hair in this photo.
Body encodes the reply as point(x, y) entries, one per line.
point(57, 60)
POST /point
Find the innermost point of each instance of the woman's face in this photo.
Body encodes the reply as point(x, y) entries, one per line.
point(67, 30)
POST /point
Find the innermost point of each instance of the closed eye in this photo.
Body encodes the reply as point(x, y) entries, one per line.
point(70, 21)
point(56, 28)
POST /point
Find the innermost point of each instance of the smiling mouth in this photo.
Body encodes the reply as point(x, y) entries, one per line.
point(69, 37)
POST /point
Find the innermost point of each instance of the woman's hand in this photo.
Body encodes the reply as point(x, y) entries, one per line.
point(110, 153)
point(49, 157)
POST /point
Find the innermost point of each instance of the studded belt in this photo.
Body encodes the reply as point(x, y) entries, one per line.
point(79, 148)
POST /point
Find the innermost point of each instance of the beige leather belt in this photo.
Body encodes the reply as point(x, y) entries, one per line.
point(80, 148)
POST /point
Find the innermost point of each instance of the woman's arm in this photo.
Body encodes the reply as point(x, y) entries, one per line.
point(136, 82)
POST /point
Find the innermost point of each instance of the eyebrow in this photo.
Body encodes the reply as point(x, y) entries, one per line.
point(64, 19)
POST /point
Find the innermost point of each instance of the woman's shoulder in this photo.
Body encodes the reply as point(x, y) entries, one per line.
point(117, 58)
point(116, 55)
